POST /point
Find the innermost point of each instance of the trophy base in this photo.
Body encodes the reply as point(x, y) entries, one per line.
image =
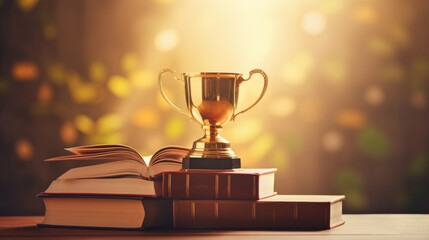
point(211, 163)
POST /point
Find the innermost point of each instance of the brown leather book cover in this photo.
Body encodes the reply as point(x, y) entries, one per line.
point(277, 212)
point(249, 184)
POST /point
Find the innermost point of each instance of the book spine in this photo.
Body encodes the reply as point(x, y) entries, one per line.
point(182, 185)
point(226, 214)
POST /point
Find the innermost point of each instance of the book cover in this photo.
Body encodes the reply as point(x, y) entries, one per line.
point(250, 184)
point(277, 212)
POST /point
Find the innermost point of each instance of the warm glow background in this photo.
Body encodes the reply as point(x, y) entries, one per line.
point(346, 111)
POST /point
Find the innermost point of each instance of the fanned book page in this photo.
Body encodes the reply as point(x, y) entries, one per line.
point(121, 161)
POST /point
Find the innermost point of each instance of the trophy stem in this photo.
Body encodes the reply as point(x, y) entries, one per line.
point(212, 134)
point(211, 152)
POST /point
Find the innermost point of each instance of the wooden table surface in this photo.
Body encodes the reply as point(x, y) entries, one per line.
point(359, 226)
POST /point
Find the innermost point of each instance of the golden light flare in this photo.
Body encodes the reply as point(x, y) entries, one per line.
point(174, 128)
point(130, 61)
point(351, 118)
point(374, 96)
point(335, 71)
point(332, 141)
point(142, 78)
point(145, 117)
point(45, 93)
point(82, 92)
point(109, 123)
point(84, 123)
point(119, 86)
point(365, 14)
point(68, 133)
point(313, 23)
point(97, 71)
point(282, 106)
point(166, 40)
point(25, 71)
point(56, 73)
point(24, 149)
point(26, 5)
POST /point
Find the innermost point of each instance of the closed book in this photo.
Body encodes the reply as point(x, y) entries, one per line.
point(276, 212)
point(249, 184)
point(97, 211)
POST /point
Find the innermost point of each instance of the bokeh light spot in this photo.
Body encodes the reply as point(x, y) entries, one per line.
point(332, 141)
point(166, 40)
point(335, 71)
point(97, 71)
point(55, 73)
point(351, 118)
point(109, 123)
point(25, 71)
point(174, 128)
point(26, 5)
point(130, 61)
point(81, 92)
point(45, 93)
point(145, 118)
point(84, 123)
point(373, 142)
point(282, 106)
point(313, 23)
point(365, 14)
point(374, 95)
point(24, 149)
point(142, 79)
point(68, 133)
point(119, 86)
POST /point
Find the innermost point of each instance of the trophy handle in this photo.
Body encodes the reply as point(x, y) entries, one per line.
point(264, 89)
point(172, 72)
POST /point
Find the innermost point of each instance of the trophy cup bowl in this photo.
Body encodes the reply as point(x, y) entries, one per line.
point(211, 100)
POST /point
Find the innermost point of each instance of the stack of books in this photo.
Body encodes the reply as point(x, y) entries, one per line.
point(126, 192)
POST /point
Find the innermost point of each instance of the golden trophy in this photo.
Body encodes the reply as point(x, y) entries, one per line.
point(211, 99)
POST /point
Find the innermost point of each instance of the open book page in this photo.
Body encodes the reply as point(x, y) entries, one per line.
point(100, 152)
point(110, 169)
point(122, 161)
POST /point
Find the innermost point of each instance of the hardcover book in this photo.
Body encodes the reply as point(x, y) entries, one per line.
point(126, 212)
point(249, 184)
point(277, 212)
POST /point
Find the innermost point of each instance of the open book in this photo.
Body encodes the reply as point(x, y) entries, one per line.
point(125, 171)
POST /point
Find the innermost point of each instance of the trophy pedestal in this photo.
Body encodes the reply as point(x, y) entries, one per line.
point(211, 163)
